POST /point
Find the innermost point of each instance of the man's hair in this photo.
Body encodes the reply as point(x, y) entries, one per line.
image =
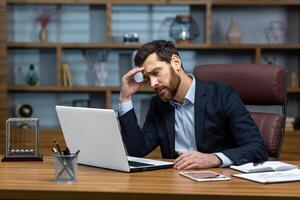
point(163, 49)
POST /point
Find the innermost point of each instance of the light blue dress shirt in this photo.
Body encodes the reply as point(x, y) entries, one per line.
point(184, 123)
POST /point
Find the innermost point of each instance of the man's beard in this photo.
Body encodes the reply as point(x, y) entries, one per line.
point(166, 93)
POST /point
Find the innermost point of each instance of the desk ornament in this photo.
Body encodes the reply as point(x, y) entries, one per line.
point(22, 140)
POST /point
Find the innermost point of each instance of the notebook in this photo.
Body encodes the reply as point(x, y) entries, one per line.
point(264, 167)
point(96, 133)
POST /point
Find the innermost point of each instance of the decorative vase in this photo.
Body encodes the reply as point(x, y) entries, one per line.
point(184, 28)
point(43, 35)
point(31, 76)
point(234, 35)
point(102, 74)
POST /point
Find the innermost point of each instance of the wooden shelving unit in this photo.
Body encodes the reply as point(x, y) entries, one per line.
point(68, 89)
point(254, 50)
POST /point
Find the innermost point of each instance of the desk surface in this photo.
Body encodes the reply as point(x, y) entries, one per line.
point(34, 180)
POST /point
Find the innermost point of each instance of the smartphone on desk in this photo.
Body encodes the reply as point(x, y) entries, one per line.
point(204, 176)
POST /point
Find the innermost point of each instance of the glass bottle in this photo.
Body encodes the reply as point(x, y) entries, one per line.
point(31, 76)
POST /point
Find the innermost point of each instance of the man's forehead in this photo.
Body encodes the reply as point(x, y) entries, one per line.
point(150, 69)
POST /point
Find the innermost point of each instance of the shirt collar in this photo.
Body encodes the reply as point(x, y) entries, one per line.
point(190, 95)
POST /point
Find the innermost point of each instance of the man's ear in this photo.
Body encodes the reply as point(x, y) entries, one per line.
point(176, 62)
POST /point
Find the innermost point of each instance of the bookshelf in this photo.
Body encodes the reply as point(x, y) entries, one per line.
point(102, 22)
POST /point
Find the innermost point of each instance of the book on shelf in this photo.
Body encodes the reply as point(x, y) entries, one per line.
point(202, 176)
point(66, 73)
point(272, 177)
point(264, 167)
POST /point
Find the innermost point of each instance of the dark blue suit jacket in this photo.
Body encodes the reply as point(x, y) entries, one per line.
point(222, 124)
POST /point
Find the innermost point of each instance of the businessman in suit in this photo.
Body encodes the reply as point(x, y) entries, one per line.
point(200, 124)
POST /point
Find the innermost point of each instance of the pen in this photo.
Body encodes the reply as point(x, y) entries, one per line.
point(54, 150)
point(57, 146)
point(67, 151)
point(258, 163)
point(77, 152)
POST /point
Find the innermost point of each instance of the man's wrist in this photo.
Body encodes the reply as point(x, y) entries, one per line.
point(123, 100)
point(217, 161)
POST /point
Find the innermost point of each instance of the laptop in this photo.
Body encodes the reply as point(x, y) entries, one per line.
point(96, 133)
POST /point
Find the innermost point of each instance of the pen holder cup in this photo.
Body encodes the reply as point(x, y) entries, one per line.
point(65, 168)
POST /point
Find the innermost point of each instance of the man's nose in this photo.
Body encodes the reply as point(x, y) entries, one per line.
point(153, 82)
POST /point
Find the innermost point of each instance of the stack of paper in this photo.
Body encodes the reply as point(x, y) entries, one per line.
point(272, 177)
point(269, 172)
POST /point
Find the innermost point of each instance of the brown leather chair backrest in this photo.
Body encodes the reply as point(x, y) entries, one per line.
point(259, 85)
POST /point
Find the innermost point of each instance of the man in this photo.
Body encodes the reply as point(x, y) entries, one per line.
point(201, 124)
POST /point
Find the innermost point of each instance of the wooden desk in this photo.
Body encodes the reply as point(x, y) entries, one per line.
point(35, 181)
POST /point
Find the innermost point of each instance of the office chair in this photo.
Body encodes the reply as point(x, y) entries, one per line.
point(262, 88)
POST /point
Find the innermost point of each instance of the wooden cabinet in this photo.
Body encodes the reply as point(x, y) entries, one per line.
point(99, 25)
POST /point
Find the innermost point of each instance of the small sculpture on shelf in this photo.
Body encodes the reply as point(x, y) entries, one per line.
point(234, 35)
point(184, 29)
point(31, 76)
point(276, 32)
point(101, 67)
point(90, 56)
point(44, 18)
point(24, 111)
point(131, 38)
point(271, 60)
point(22, 144)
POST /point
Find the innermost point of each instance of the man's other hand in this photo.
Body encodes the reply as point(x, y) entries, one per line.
point(196, 160)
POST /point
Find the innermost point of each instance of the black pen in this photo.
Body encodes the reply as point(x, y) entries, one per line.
point(258, 163)
point(77, 152)
point(67, 151)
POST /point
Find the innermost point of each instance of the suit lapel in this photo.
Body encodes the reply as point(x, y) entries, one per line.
point(169, 114)
point(199, 111)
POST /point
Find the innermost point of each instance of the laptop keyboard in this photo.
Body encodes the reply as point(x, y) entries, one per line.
point(138, 164)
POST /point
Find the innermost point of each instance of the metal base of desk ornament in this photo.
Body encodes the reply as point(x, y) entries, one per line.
point(22, 140)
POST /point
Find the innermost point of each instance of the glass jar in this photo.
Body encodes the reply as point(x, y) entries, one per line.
point(184, 28)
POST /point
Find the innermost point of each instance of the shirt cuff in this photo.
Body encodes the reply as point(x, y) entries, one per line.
point(125, 107)
point(225, 160)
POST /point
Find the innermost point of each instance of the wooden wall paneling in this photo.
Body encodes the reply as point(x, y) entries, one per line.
point(208, 22)
point(290, 148)
point(3, 95)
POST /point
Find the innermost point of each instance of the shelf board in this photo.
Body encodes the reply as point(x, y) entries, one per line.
point(22, 45)
point(75, 89)
point(31, 45)
point(193, 2)
point(99, 2)
point(254, 3)
point(88, 89)
point(293, 90)
point(14, 45)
